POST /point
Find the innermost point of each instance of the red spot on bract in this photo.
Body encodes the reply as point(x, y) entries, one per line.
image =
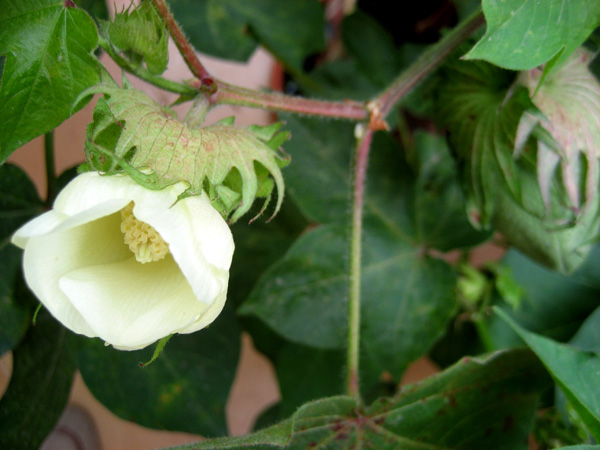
point(70, 4)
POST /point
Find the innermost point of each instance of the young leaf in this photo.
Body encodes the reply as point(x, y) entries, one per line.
point(576, 373)
point(184, 389)
point(41, 79)
point(523, 34)
point(43, 370)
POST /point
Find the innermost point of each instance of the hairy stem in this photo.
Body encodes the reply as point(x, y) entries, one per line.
point(358, 191)
point(235, 95)
point(184, 46)
point(144, 74)
point(425, 64)
point(50, 167)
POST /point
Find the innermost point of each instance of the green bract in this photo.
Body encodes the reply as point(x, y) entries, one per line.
point(132, 132)
point(568, 100)
point(483, 107)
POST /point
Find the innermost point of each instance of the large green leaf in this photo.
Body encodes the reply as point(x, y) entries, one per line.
point(39, 387)
point(485, 402)
point(49, 62)
point(260, 244)
point(587, 337)
point(373, 47)
point(185, 389)
point(439, 211)
point(575, 372)
point(231, 29)
point(305, 374)
point(319, 177)
point(15, 315)
point(522, 34)
point(423, 204)
point(303, 295)
point(581, 447)
point(19, 202)
point(407, 296)
point(553, 304)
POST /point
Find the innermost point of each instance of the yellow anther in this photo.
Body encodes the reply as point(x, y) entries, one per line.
point(143, 240)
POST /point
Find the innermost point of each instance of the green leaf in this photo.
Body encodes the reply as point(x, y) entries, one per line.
point(303, 296)
point(95, 8)
point(43, 370)
point(42, 79)
point(232, 29)
point(306, 374)
point(19, 200)
point(581, 447)
point(407, 299)
point(575, 372)
point(523, 34)
point(373, 47)
point(439, 213)
point(132, 131)
point(319, 181)
point(319, 177)
point(407, 296)
point(185, 389)
point(15, 314)
point(553, 305)
point(260, 244)
point(485, 402)
point(587, 337)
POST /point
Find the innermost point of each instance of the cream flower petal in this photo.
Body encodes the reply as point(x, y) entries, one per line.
point(91, 189)
point(50, 256)
point(130, 305)
point(39, 226)
point(199, 240)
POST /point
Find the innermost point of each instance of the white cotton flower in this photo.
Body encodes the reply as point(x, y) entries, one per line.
point(127, 264)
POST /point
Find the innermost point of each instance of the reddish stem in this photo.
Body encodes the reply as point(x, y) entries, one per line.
point(184, 46)
point(236, 95)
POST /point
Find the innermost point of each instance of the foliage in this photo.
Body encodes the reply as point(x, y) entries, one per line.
point(366, 265)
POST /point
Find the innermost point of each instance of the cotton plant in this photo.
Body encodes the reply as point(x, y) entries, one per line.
point(332, 243)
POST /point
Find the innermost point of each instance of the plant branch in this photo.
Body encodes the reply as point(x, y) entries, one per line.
point(425, 64)
point(353, 351)
point(184, 46)
point(145, 74)
point(236, 95)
